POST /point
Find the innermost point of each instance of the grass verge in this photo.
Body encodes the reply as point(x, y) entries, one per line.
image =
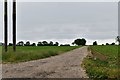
point(27, 53)
point(102, 62)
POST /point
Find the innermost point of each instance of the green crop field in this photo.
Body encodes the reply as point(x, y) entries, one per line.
point(103, 63)
point(27, 53)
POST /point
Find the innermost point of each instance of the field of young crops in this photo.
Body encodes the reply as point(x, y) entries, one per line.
point(103, 63)
point(27, 53)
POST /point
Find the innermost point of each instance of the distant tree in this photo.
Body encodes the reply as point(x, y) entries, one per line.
point(33, 44)
point(107, 43)
point(95, 43)
point(10, 44)
point(73, 43)
point(113, 43)
point(56, 44)
point(45, 43)
point(27, 43)
point(65, 45)
point(51, 43)
point(83, 41)
point(79, 41)
point(21, 43)
point(118, 39)
point(39, 44)
point(102, 44)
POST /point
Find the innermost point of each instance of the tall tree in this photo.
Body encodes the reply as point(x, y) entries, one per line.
point(5, 25)
point(14, 25)
point(95, 43)
point(79, 41)
point(83, 41)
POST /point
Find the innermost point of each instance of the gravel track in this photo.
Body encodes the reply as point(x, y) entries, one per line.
point(67, 65)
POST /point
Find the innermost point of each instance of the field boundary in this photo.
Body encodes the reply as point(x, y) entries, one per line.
point(94, 54)
point(101, 63)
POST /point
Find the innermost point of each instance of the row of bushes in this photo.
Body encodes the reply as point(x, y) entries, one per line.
point(44, 43)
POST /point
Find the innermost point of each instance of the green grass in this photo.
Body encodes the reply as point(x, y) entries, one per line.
point(104, 69)
point(27, 53)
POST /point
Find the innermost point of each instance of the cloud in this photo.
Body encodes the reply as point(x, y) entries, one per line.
point(66, 20)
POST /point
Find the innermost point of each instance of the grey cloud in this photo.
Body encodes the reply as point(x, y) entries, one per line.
point(66, 20)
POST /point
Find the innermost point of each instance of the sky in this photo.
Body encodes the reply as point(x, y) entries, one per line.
point(64, 21)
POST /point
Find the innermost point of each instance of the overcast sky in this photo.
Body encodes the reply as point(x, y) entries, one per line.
point(65, 21)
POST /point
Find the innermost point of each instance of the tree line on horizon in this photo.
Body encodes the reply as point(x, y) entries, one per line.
point(77, 42)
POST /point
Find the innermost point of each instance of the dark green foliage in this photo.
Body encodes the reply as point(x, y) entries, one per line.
point(56, 44)
point(45, 43)
point(79, 42)
point(27, 43)
point(39, 44)
point(65, 45)
point(95, 43)
point(102, 44)
point(51, 43)
point(113, 44)
point(21, 43)
point(107, 43)
point(33, 44)
point(10, 44)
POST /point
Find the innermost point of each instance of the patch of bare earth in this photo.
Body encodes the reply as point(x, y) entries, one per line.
point(67, 65)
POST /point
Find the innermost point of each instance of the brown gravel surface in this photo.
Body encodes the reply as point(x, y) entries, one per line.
point(67, 65)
